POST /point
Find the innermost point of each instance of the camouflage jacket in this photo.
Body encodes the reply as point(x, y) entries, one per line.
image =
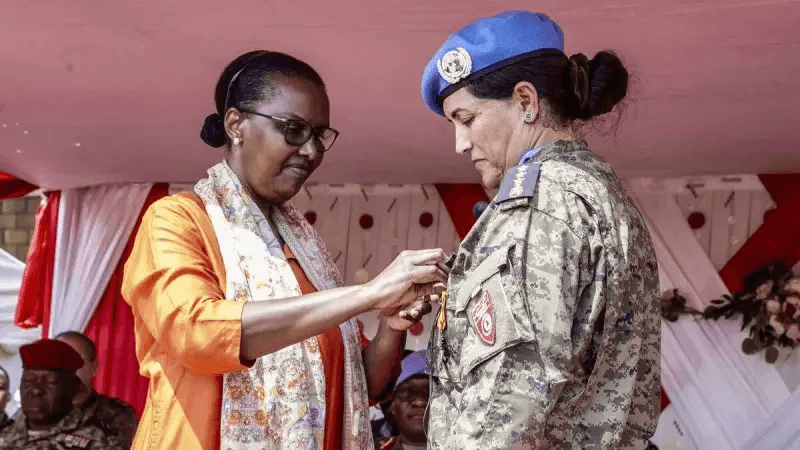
point(552, 337)
point(116, 418)
point(5, 421)
point(69, 433)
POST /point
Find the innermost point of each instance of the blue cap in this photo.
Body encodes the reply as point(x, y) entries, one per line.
point(413, 364)
point(486, 45)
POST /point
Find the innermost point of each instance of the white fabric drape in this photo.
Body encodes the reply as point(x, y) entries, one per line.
point(780, 431)
point(720, 394)
point(11, 337)
point(94, 225)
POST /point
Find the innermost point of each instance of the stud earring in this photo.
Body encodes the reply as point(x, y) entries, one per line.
point(237, 141)
point(528, 117)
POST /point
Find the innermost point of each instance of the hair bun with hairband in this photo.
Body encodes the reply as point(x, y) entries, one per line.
point(577, 87)
point(213, 132)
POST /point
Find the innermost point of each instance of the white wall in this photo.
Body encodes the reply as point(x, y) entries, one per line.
point(11, 337)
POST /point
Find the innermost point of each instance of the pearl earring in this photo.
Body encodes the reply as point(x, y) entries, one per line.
point(528, 117)
point(237, 141)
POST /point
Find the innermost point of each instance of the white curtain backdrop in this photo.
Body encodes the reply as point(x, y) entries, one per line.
point(780, 431)
point(11, 337)
point(720, 395)
point(94, 225)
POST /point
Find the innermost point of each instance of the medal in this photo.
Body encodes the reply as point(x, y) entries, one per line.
point(441, 319)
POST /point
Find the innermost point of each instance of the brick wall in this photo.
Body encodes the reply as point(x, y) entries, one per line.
point(17, 218)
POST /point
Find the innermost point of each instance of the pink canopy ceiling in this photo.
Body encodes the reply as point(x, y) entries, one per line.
point(94, 91)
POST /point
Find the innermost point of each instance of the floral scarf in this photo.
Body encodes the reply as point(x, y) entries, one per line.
point(280, 402)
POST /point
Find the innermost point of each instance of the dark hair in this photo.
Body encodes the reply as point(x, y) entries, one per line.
point(247, 80)
point(574, 88)
point(89, 345)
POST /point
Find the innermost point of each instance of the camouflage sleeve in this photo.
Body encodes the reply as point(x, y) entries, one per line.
point(126, 426)
point(92, 437)
point(510, 394)
point(106, 444)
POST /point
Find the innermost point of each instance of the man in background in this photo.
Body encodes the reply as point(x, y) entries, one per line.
point(407, 407)
point(5, 395)
point(48, 389)
point(117, 418)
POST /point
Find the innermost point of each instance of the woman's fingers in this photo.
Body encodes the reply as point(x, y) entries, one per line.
point(417, 311)
point(425, 257)
point(427, 274)
point(427, 289)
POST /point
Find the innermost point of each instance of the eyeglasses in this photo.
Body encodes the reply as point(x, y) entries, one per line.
point(408, 395)
point(297, 132)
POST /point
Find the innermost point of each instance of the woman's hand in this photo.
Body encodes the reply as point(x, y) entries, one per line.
point(413, 274)
point(402, 320)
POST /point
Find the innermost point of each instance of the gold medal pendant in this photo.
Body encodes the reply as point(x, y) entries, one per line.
point(441, 319)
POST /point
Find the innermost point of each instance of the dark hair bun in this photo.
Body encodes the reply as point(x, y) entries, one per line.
point(594, 86)
point(213, 132)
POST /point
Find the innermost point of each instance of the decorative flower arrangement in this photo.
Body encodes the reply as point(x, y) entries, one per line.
point(769, 304)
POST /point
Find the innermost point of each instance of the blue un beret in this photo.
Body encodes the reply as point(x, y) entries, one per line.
point(486, 45)
point(413, 364)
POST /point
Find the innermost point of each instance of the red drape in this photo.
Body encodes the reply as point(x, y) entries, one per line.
point(777, 239)
point(33, 306)
point(13, 187)
point(112, 329)
point(459, 198)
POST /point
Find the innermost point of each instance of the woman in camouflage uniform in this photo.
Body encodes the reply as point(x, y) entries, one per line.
point(550, 333)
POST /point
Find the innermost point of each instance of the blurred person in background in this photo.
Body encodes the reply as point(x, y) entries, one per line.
point(408, 405)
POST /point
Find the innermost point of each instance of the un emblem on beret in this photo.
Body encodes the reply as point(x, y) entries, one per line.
point(455, 65)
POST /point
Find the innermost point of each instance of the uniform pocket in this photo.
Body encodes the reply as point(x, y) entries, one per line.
point(493, 305)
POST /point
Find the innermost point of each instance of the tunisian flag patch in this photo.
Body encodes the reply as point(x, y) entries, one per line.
point(483, 318)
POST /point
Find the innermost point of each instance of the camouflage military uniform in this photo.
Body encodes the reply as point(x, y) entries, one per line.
point(5, 421)
point(69, 433)
point(116, 418)
point(552, 337)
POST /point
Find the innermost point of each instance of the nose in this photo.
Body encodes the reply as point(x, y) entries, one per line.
point(35, 391)
point(311, 149)
point(463, 143)
point(419, 401)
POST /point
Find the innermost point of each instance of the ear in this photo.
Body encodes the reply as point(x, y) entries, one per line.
point(80, 390)
point(233, 122)
point(391, 409)
point(525, 98)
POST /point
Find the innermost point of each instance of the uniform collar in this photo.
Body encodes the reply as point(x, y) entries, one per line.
point(68, 423)
point(529, 155)
point(554, 150)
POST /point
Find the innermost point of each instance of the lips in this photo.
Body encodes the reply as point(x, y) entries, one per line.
point(299, 170)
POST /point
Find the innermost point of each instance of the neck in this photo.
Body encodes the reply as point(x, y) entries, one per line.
point(412, 440)
point(541, 136)
point(83, 396)
point(262, 204)
point(43, 426)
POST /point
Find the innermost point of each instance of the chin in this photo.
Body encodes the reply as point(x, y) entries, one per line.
point(491, 181)
point(491, 176)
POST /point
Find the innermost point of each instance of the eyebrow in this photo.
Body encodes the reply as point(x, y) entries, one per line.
point(454, 113)
point(299, 117)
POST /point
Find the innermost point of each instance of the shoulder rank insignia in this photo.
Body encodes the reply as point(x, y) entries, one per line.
point(519, 181)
